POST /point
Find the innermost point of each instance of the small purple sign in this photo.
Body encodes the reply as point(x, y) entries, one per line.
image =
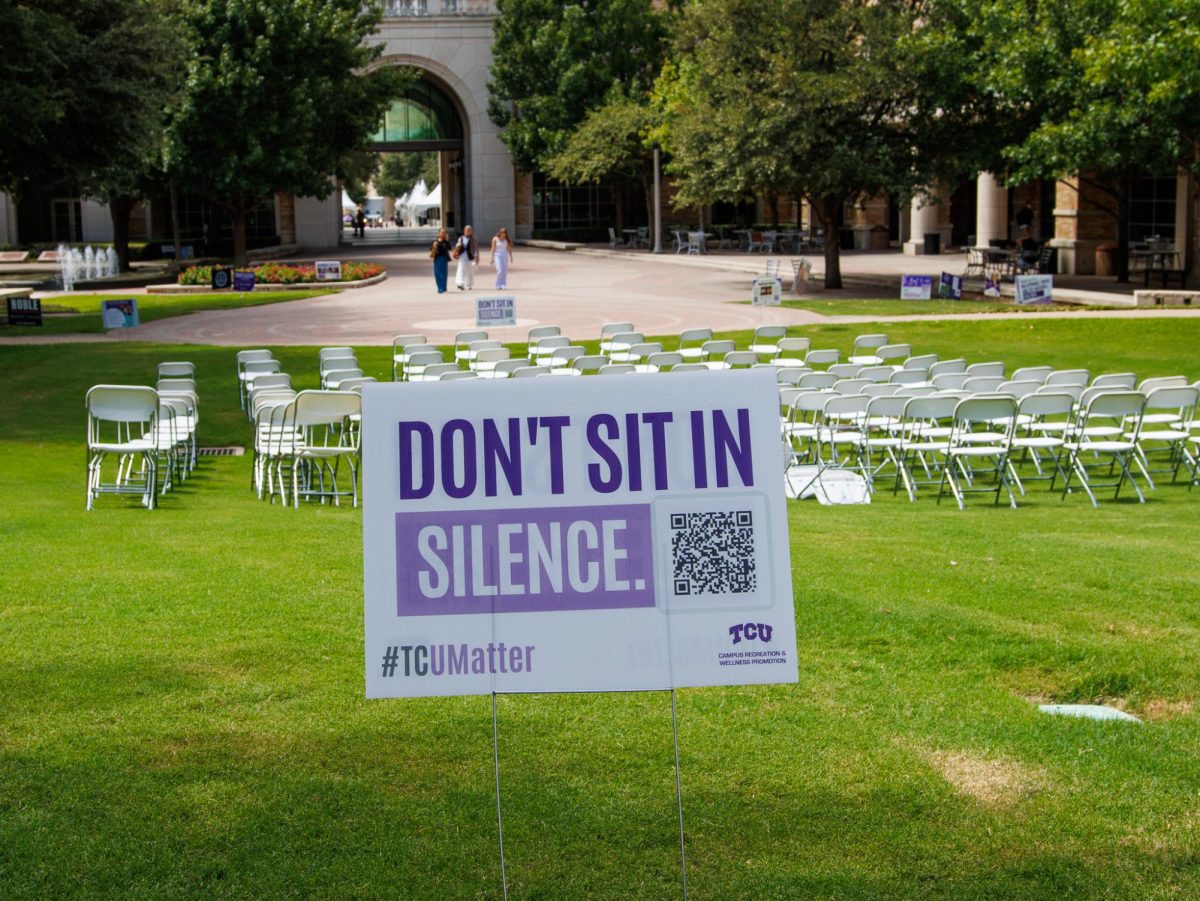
point(522, 561)
point(243, 281)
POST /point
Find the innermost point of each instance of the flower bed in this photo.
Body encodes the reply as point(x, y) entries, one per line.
point(283, 273)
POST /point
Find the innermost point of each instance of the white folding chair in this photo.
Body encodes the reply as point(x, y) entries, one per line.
point(504, 369)
point(712, 352)
point(1079, 377)
point(967, 447)
point(326, 352)
point(691, 342)
point(617, 369)
point(333, 379)
point(817, 381)
point(335, 363)
point(925, 438)
point(244, 357)
point(690, 367)
point(893, 355)
point(1092, 435)
point(608, 330)
point(435, 371)
point(475, 348)
point(737, 359)
point(538, 332)
point(530, 372)
point(1167, 422)
point(943, 367)
point(923, 362)
point(823, 357)
point(909, 377)
point(458, 375)
point(419, 361)
point(863, 351)
point(486, 359)
point(951, 381)
point(1125, 381)
point(177, 369)
point(986, 370)
point(122, 421)
point(660, 361)
point(982, 384)
point(1042, 421)
point(401, 352)
point(791, 352)
point(463, 341)
point(545, 348)
point(1032, 374)
point(788, 375)
point(846, 370)
point(355, 384)
point(621, 344)
point(322, 436)
point(765, 342)
point(564, 357)
point(586, 364)
point(639, 353)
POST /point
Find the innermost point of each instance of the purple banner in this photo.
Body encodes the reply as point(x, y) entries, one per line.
point(521, 561)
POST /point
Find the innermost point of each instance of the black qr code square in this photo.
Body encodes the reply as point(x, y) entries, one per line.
point(713, 553)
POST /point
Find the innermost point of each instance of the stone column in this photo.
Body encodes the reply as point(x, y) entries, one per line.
point(991, 210)
point(923, 219)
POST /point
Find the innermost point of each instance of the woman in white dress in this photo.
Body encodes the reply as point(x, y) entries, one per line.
point(501, 257)
point(466, 252)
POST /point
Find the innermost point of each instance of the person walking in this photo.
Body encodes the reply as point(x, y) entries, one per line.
point(501, 256)
point(439, 252)
point(466, 252)
point(360, 223)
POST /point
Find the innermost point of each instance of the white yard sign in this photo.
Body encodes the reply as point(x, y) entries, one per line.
point(767, 292)
point(495, 311)
point(588, 534)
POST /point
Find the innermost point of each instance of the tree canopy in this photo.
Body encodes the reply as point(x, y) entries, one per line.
point(276, 96)
point(554, 61)
point(398, 172)
point(824, 99)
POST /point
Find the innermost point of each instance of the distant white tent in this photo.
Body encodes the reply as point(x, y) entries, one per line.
point(348, 205)
point(419, 200)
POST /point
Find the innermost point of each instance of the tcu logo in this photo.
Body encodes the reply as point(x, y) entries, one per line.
point(750, 631)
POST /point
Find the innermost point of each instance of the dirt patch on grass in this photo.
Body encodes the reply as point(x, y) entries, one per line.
point(991, 780)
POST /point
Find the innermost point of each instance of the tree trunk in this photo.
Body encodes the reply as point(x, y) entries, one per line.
point(1123, 184)
point(619, 210)
point(240, 256)
point(1191, 252)
point(175, 222)
point(827, 210)
point(648, 193)
point(120, 209)
point(773, 201)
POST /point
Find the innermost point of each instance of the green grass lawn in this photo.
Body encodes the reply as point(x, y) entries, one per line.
point(181, 708)
point(150, 307)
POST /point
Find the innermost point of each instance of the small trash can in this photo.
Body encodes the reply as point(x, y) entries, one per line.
point(879, 238)
point(933, 243)
point(1106, 259)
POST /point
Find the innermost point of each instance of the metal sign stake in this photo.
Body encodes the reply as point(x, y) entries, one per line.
point(499, 814)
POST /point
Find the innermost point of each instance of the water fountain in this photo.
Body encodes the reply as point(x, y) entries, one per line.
point(75, 265)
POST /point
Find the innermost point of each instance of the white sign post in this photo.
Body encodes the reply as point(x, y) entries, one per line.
point(495, 311)
point(555, 535)
point(767, 292)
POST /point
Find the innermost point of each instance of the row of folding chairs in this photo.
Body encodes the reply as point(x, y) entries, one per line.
point(150, 431)
point(957, 441)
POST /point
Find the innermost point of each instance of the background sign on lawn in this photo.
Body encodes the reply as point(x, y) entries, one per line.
point(767, 292)
point(24, 311)
point(222, 278)
point(1035, 288)
point(916, 287)
point(329, 270)
point(991, 286)
point(119, 313)
point(495, 311)
point(243, 281)
point(950, 286)
point(575, 535)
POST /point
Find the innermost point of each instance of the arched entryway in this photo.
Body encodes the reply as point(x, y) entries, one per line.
point(427, 119)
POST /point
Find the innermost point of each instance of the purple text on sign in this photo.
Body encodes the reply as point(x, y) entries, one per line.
point(523, 561)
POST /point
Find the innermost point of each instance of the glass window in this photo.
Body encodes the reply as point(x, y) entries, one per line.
point(423, 113)
point(1152, 208)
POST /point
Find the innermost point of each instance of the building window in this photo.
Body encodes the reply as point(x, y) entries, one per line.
point(67, 219)
point(1152, 208)
point(557, 206)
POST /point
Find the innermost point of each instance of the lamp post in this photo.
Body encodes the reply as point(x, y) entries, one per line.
point(657, 203)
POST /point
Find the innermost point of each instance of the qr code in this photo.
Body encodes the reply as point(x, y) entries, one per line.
point(713, 553)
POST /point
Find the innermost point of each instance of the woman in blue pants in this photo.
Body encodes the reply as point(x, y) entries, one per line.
point(440, 254)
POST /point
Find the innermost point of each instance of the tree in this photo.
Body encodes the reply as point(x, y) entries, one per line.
point(398, 172)
point(80, 112)
point(276, 96)
point(824, 99)
point(554, 61)
point(1116, 85)
point(612, 141)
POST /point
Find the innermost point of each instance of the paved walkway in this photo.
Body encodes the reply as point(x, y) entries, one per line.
point(578, 292)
